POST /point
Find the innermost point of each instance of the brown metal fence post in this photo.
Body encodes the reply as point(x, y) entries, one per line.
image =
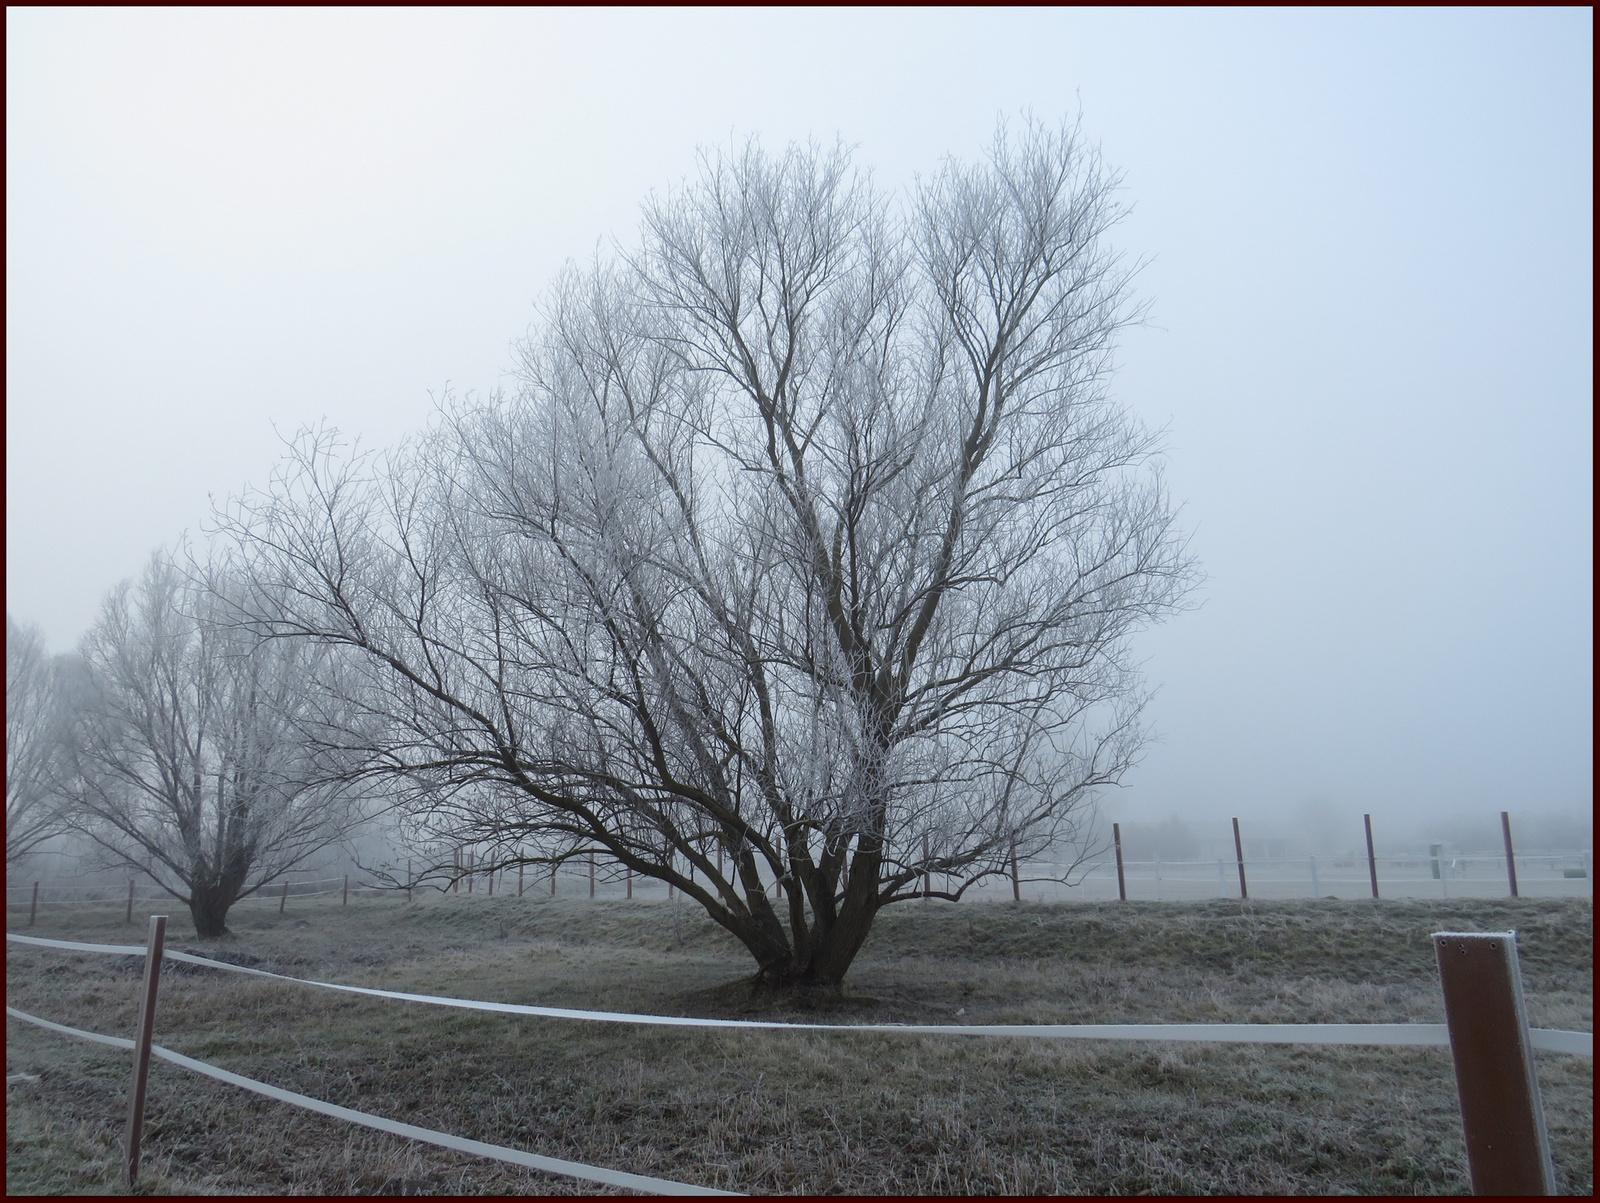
point(1511, 858)
point(927, 877)
point(129, 919)
point(33, 911)
point(1372, 856)
point(1238, 851)
point(591, 875)
point(472, 860)
point(1502, 1117)
point(346, 901)
point(1016, 878)
point(284, 901)
point(1122, 881)
point(141, 1048)
point(519, 877)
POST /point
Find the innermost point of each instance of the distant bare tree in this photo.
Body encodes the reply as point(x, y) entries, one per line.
point(195, 753)
point(807, 554)
point(35, 726)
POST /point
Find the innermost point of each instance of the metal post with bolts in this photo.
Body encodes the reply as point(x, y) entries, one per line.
point(1502, 1116)
point(1238, 850)
point(134, 1129)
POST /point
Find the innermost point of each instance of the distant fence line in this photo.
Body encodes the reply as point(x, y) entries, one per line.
point(1345, 876)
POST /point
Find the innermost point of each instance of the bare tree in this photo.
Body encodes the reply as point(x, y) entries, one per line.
point(195, 755)
point(799, 573)
point(35, 719)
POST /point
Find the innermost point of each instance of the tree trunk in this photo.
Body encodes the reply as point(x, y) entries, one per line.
point(209, 902)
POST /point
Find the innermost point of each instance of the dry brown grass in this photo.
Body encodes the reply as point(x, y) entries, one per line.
point(785, 1113)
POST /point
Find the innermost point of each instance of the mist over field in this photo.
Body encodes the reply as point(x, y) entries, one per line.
point(1365, 239)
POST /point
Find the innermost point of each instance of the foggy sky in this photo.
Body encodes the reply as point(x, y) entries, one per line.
point(1369, 255)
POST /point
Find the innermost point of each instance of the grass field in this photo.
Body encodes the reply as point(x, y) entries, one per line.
point(785, 1113)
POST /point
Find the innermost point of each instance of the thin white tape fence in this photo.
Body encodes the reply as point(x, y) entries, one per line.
point(532, 1161)
point(1378, 1034)
point(1370, 1034)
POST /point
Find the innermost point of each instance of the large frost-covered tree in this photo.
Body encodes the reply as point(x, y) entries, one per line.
point(800, 569)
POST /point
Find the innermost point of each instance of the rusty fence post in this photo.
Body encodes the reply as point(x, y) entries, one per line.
point(1511, 857)
point(33, 911)
point(629, 873)
point(1122, 881)
point(141, 1048)
point(1372, 857)
point(591, 875)
point(927, 878)
point(519, 878)
point(552, 879)
point(1502, 1117)
point(129, 918)
point(1238, 851)
point(1016, 878)
point(284, 900)
point(346, 901)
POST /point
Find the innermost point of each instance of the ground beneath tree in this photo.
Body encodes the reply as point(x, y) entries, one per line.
point(779, 1112)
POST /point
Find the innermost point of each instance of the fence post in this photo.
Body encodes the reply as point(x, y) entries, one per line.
point(519, 877)
point(927, 878)
point(129, 919)
point(472, 861)
point(491, 883)
point(410, 879)
point(1372, 857)
point(1502, 1117)
point(33, 912)
point(346, 901)
point(629, 873)
point(552, 879)
point(154, 947)
point(1316, 889)
point(1511, 860)
point(284, 901)
point(1016, 878)
point(1122, 882)
point(1238, 850)
point(591, 875)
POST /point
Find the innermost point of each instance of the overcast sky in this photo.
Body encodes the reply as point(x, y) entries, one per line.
point(1370, 251)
